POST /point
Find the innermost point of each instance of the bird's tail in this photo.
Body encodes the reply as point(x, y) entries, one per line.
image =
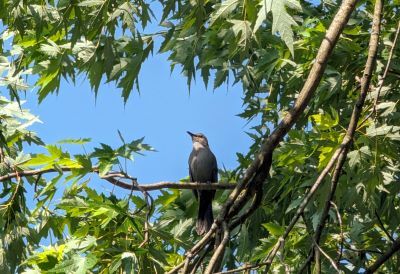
point(205, 216)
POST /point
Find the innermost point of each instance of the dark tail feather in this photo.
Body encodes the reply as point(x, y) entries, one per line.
point(205, 216)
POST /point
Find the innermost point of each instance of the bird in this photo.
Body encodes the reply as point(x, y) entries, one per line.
point(203, 168)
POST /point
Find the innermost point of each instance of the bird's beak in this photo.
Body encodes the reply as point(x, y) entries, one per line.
point(191, 134)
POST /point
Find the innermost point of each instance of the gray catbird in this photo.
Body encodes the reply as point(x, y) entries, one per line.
point(203, 169)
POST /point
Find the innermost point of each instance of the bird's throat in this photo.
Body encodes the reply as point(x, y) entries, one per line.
point(198, 146)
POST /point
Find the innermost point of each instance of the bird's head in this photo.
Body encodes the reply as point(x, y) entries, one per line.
point(198, 138)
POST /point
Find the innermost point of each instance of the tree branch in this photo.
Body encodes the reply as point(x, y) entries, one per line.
point(385, 73)
point(325, 212)
point(341, 153)
point(254, 205)
point(387, 67)
point(243, 268)
point(341, 232)
point(115, 179)
point(219, 251)
point(365, 84)
point(200, 259)
point(259, 168)
point(383, 227)
point(386, 256)
point(333, 263)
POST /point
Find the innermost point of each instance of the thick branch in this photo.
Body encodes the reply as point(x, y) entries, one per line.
point(365, 84)
point(254, 205)
point(341, 153)
point(258, 170)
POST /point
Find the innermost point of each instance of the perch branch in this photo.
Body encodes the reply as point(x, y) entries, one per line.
point(114, 178)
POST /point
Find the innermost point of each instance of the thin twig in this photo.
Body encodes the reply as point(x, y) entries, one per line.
point(365, 84)
point(310, 256)
point(383, 227)
point(186, 266)
point(387, 67)
point(385, 73)
point(307, 262)
point(200, 258)
point(272, 253)
point(219, 251)
point(325, 212)
point(1, 153)
point(361, 250)
point(14, 195)
point(149, 205)
point(333, 263)
point(305, 201)
point(242, 268)
point(176, 268)
point(341, 232)
point(196, 248)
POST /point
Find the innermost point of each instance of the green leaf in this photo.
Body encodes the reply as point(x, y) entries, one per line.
point(79, 141)
point(39, 159)
point(325, 121)
point(274, 229)
point(77, 264)
point(242, 31)
point(91, 3)
point(223, 10)
point(265, 8)
point(282, 20)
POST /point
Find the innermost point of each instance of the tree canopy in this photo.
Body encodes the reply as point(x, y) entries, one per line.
point(317, 191)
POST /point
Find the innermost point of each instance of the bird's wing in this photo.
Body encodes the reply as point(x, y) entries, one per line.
point(215, 169)
point(214, 172)
point(191, 174)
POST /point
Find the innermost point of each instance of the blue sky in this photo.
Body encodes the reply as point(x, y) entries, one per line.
point(162, 112)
